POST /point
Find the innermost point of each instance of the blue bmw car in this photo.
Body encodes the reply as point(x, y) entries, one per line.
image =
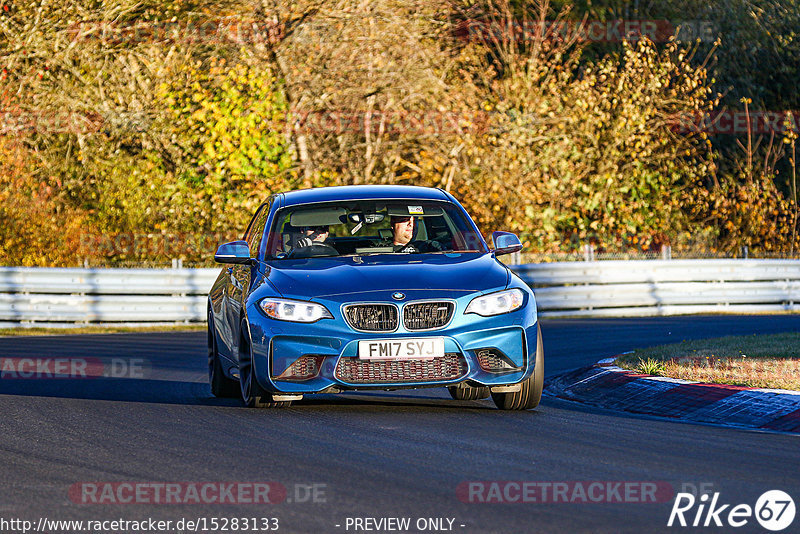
point(371, 287)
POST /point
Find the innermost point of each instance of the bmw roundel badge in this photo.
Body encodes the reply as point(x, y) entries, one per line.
point(398, 296)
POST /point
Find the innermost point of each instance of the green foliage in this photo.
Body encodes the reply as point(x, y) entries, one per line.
point(159, 138)
point(563, 141)
point(36, 228)
point(590, 155)
point(759, 51)
point(231, 149)
point(750, 213)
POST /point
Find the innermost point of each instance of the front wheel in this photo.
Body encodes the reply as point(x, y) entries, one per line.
point(530, 394)
point(253, 395)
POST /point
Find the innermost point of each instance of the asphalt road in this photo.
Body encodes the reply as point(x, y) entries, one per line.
point(369, 455)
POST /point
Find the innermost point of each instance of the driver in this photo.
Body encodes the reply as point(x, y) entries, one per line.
point(402, 232)
point(313, 235)
point(403, 229)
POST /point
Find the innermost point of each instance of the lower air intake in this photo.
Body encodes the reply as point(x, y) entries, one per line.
point(303, 368)
point(494, 362)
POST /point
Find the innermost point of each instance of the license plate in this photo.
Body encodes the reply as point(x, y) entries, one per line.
point(422, 348)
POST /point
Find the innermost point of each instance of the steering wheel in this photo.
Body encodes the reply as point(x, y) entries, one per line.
point(317, 250)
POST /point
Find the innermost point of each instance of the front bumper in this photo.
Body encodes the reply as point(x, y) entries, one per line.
point(279, 344)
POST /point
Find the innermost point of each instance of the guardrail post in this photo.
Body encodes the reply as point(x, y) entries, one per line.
point(666, 252)
point(588, 252)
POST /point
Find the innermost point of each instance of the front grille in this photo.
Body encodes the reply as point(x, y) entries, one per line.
point(427, 315)
point(356, 371)
point(372, 317)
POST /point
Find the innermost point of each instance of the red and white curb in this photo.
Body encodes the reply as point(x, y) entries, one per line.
point(608, 386)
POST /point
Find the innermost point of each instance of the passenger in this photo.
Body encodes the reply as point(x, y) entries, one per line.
point(313, 235)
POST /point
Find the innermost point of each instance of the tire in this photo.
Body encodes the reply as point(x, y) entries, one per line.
point(464, 392)
point(530, 394)
point(221, 386)
point(253, 395)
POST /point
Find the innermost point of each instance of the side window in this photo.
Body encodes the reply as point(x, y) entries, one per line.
point(256, 230)
point(288, 234)
point(249, 232)
point(279, 236)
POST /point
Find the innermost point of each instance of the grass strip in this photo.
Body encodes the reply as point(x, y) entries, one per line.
point(764, 361)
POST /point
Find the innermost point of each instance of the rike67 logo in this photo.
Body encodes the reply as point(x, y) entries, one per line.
point(774, 510)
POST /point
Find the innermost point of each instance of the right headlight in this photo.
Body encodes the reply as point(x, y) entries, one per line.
point(497, 303)
point(297, 311)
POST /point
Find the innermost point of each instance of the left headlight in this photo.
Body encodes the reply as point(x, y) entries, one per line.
point(497, 303)
point(298, 311)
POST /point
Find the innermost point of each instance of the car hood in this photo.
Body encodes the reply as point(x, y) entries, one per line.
point(323, 277)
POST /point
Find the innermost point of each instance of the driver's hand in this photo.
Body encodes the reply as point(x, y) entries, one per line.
point(304, 242)
point(408, 248)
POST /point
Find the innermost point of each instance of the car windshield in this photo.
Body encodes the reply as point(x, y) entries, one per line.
point(348, 228)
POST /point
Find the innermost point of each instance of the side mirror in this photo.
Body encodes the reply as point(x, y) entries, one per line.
point(505, 243)
point(233, 252)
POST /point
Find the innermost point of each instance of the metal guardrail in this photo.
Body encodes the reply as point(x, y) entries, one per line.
point(42, 295)
point(664, 287)
point(32, 296)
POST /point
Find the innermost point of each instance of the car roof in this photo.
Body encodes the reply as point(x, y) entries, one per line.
point(362, 192)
